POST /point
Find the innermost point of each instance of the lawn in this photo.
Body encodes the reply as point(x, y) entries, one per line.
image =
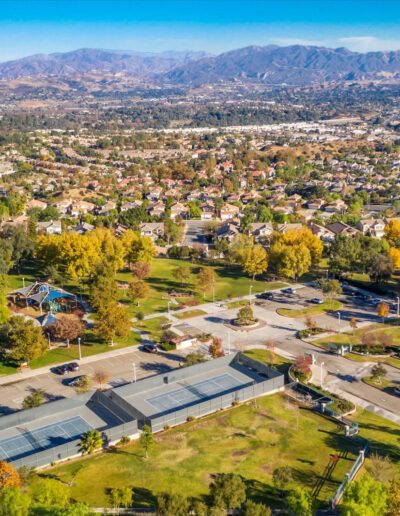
point(153, 327)
point(265, 356)
point(237, 304)
point(354, 338)
point(229, 282)
point(190, 313)
point(250, 440)
point(326, 306)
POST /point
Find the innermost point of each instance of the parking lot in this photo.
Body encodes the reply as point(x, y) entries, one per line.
point(119, 367)
point(279, 327)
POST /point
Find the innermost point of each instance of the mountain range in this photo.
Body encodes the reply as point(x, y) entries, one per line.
point(274, 65)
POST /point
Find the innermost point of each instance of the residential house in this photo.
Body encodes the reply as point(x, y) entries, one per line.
point(153, 230)
point(227, 231)
point(372, 227)
point(340, 228)
point(81, 208)
point(337, 206)
point(51, 227)
point(179, 210)
point(324, 234)
point(35, 204)
point(229, 211)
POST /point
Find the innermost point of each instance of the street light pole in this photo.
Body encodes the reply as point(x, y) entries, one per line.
point(322, 365)
point(23, 282)
point(79, 348)
point(134, 371)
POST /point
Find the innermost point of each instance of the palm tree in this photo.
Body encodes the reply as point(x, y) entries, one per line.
point(91, 441)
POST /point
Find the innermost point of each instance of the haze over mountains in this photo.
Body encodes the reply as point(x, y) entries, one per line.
point(292, 65)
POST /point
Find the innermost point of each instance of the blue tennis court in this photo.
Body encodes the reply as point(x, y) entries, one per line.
point(31, 441)
point(194, 392)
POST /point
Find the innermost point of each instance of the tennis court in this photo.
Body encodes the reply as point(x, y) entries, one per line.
point(32, 441)
point(193, 392)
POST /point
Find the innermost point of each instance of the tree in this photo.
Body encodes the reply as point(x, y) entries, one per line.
point(66, 328)
point(393, 506)
point(378, 372)
point(103, 290)
point(331, 288)
point(141, 270)
point(228, 491)
point(138, 290)
point(35, 399)
point(215, 348)
point(383, 310)
point(182, 274)
point(121, 497)
point(91, 441)
point(310, 323)
point(251, 508)
point(138, 248)
point(392, 231)
point(50, 492)
point(9, 477)
point(197, 357)
point(255, 261)
point(101, 376)
point(83, 384)
point(291, 261)
point(146, 439)
point(353, 323)
point(113, 320)
point(300, 502)
point(245, 314)
point(205, 280)
point(23, 340)
point(394, 254)
point(282, 476)
point(4, 312)
point(270, 345)
point(365, 496)
point(172, 504)
point(380, 268)
point(75, 509)
point(13, 502)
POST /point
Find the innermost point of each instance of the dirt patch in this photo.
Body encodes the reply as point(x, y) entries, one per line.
point(240, 453)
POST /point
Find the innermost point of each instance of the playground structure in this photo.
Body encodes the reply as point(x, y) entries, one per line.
point(45, 298)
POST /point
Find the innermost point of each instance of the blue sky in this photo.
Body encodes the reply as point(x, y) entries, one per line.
point(35, 26)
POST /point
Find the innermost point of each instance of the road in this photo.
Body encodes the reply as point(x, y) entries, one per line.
point(194, 232)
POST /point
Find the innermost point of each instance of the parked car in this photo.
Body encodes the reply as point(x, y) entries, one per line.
point(317, 300)
point(73, 366)
point(266, 295)
point(289, 290)
point(73, 382)
point(150, 348)
point(61, 369)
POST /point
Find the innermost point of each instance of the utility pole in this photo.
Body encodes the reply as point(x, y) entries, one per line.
point(79, 348)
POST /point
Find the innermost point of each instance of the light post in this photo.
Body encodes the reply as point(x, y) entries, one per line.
point(339, 320)
point(398, 306)
point(213, 286)
point(229, 343)
point(134, 371)
point(48, 336)
point(322, 365)
point(79, 348)
point(251, 286)
point(23, 282)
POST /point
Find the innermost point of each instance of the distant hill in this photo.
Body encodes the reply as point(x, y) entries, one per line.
point(274, 65)
point(293, 65)
point(140, 64)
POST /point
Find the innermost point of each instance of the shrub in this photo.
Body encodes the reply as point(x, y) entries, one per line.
point(190, 418)
point(124, 440)
point(303, 334)
point(165, 346)
point(167, 427)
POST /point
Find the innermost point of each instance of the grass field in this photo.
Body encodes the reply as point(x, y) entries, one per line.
point(326, 306)
point(153, 327)
point(250, 440)
point(190, 313)
point(354, 338)
point(229, 281)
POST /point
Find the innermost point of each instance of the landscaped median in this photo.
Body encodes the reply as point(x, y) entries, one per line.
point(190, 313)
point(373, 343)
point(326, 306)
